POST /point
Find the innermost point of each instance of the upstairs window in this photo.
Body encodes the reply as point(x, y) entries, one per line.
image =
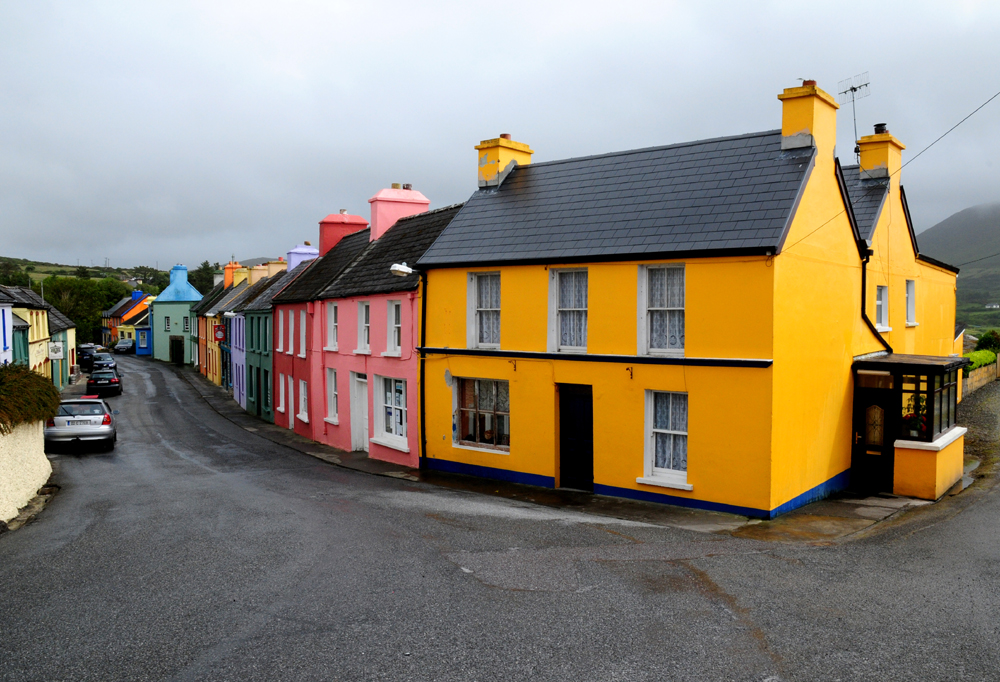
point(484, 291)
point(166, 323)
point(302, 333)
point(281, 330)
point(569, 326)
point(187, 324)
point(661, 302)
point(911, 302)
point(291, 333)
point(394, 327)
point(364, 327)
point(331, 326)
point(882, 308)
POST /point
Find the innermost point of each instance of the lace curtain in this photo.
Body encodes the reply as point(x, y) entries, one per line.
point(665, 303)
point(670, 414)
point(488, 304)
point(573, 309)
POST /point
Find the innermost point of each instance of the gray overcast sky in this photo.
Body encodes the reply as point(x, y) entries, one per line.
point(183, 131)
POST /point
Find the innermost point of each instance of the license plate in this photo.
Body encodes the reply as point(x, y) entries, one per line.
point(103, 382)
point(78, 422)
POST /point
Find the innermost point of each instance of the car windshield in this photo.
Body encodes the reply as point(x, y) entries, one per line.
point(102, 356)
point(81, 409)
point(102, 375)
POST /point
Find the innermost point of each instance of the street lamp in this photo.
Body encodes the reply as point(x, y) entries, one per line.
point(402, 270)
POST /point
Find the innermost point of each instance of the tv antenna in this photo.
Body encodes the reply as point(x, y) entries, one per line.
point(851, 90)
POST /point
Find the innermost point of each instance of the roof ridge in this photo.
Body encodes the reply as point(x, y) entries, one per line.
point(424, 214)
point(676, 145)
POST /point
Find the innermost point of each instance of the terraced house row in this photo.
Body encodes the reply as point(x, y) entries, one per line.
point(740, 324)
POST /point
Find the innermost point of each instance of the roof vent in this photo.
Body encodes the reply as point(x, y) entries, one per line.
point(881, 128)
point(407, 186)
point(343, 211)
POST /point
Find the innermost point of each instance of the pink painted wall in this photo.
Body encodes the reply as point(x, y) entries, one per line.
point(346, 361)
point(389, 205)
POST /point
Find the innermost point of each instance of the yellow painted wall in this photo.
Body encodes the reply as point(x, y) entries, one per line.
point(213, 366)
point(38, 339)
point(928, 474)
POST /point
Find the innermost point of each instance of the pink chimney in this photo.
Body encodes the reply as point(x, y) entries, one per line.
point(336, 226)
point(389, 205)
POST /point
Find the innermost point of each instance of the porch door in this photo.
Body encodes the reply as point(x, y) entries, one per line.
point(876, 425)
point(359, 412)
point(576, 437)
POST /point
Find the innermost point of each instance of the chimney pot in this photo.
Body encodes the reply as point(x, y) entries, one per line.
point(396, 185)
point(806, 83)
point(881, 128)
point(504, 136)
point(343, 211)
point(307, 243)
point(407, 186)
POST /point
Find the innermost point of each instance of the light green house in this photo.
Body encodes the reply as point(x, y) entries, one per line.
point(170, 321)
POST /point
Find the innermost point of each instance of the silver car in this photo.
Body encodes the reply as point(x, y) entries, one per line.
point(83, 419)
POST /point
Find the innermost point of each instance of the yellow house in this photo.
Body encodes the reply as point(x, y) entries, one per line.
point(236, 279)
point(31, 308)
point(559, 299)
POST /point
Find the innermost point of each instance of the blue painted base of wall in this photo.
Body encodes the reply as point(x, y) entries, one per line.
point(486, 472)
point(837, 483)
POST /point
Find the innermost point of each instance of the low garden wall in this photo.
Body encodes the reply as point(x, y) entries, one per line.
point(978, 378)
point(24, 468)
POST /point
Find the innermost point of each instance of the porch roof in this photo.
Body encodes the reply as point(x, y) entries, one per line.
point(913, 364)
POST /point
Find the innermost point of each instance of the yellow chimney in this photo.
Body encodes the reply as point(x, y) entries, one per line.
point(881, 154)
point(276, 266)
point(240, 274)
point(498, 156)
point(808, 118)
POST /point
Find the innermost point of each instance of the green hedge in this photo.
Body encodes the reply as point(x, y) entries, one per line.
point(980, 358)
point(25, 397)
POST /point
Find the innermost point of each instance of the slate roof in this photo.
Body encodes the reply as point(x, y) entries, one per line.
point(867, 198)
point(404, 242)
point(140, 320)
point(59, 322)
point(276, 284)
point(208, 299)
point(323, 271)
point(118, 308)
point(221, 305)
point(25, 298)
point(5, 297)
point(696, 198)
point(251, 292)
point(19, 322)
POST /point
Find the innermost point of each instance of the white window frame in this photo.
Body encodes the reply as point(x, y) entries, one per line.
point(456, 440)
point(303, 413)
point(281, 330)
point(291, 401)
point(331, 326)
point(166, 323)
point(882, 308)
point(302, 333)
point(472, 310)
point(291, 332)
point(187, 324)
point(393, 345)
point(364, 328)
point(643, 312)
point(280, 407)
point(393, 440)
point(911, 303)
point(665, 478)
point(332, 397)
point(553, 336)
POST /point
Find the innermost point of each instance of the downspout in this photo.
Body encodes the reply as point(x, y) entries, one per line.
point(423, 357)
point(864, 289)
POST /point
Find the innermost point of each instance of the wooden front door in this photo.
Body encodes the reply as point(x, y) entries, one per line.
point(576, 437)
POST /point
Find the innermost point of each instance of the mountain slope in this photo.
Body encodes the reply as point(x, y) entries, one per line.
point(966, 236)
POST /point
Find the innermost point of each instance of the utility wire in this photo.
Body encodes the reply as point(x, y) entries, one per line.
point(843, 211)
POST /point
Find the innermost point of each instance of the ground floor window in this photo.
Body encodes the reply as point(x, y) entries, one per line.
point(331, 395)
point(390, 412)
point(281, 392)
point(251, 392)
point(666, 435)
point(142, 339)
point(928, 408)
point(266, 393)
point(303, 401)
point(483, 413)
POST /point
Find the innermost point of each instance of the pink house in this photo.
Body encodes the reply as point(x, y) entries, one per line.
point(371, 330)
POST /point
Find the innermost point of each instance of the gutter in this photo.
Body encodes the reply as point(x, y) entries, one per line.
point(864, 289)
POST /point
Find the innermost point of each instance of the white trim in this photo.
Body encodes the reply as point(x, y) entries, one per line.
point(335, 422)
point(302, 333)
point(281, 331)
point(910, 325)
point(667, 478)
point(303, 413)
point(280, 407)
point(291, 401)
point(391, 442)
point(362, 352)
point(911, 303)
point(291, 333)
point(364, 347)
point(472, 310)
point(882, 329)
point(391, 347)
point(332, 397)
point(378, 395)
point(943, 441)
point(462, 446)
point(642, 311)
point(882, 308)
point(665, 482)
point(553, 331)
point(332, 325)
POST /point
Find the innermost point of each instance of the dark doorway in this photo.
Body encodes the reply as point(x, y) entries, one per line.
point(177, 350)
point(576, 437)
point(258, 392)
point(876, 426)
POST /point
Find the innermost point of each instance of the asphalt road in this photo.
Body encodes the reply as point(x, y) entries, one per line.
point(199, 551)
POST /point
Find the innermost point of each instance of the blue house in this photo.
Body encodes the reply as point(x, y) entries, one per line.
point(170, 320)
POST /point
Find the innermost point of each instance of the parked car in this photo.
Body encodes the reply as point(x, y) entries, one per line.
point(125, 346)
point(85, 356)
point(86, 419)
point(103, 361)
point(104, 382)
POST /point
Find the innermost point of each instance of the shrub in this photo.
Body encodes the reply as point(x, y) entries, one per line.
point(25, 397)
point(980, 358)
point(989, 341)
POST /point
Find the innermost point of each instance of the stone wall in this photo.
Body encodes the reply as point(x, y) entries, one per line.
point(978, 378)
point(24, 468)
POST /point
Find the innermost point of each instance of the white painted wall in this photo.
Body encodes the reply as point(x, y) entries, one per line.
point(6, 334)
point(24, 468)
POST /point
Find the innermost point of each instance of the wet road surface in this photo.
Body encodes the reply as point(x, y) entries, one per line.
point(197, 550)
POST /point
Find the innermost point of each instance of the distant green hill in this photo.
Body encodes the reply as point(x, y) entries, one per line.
point(967, 236)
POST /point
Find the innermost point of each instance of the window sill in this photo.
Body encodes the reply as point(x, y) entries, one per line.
point(658, 353)
point(393, 354)
point(473, 448)
point(280, 409)
point(330, 349)
point(301, 356)
point(664, 482)
point(363, 352)
point(912, 324)
point(391, 443)
point(882, 330)
point(572, 349)
point(335, 422)
point(485, 346)
point(302, 418)
point(943, 441)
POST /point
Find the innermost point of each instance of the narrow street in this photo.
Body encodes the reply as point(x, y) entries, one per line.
point(199, 551)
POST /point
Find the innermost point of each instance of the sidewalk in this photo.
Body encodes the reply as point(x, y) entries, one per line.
point(820, 523)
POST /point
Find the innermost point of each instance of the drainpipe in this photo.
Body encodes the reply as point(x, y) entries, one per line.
point(864, 289)
point(423, 359)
